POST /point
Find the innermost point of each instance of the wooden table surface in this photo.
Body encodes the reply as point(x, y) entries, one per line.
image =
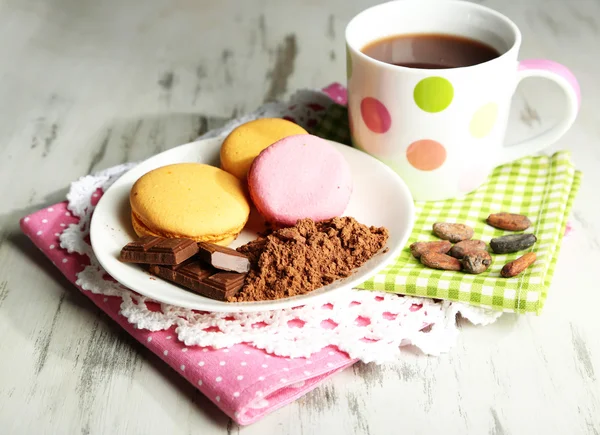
point(85, 85)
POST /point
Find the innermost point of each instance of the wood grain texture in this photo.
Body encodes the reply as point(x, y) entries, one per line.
point(85, 85)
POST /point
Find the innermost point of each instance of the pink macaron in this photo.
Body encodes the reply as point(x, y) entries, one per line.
point(300, 176)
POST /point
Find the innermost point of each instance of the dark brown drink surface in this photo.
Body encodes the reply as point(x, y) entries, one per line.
point(430, 51)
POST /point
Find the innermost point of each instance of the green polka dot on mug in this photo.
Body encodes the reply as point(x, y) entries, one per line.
point(483, 120)
point(433, 94)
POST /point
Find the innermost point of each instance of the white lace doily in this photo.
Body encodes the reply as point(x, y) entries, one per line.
point(370, 326)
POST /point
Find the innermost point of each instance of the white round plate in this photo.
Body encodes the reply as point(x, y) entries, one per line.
point(379, 198)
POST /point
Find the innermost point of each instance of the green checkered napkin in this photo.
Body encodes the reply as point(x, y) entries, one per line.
point(542, 188)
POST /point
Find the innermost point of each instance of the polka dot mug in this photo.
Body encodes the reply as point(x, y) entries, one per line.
point(442, 130)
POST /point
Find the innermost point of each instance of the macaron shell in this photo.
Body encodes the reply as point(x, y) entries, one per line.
point(244, 143)
point(192, 200)
point(298, 177)
point(141, 230)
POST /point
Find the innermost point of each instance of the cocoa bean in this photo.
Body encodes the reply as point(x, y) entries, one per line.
point(509, 221)
point(453, 232)
point(418, 248)
point(435, 260)
point(461, 248)
point(476, 262)
point(517, 266)
point(512, 243)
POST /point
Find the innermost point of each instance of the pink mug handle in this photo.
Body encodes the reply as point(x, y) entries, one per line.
point(562, 76)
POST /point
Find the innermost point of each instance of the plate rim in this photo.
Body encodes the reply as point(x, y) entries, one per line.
point(233, 307)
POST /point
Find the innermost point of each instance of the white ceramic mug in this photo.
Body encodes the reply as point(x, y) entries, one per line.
point(442, 130)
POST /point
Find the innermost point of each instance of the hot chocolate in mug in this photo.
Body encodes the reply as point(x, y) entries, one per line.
point(440, 126)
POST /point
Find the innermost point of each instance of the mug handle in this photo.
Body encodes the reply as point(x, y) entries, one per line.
point(562, 76)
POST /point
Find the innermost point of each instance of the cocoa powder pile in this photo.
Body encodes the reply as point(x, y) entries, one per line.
point(297, 260)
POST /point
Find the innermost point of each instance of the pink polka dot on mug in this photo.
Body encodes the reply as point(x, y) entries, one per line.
point(429, 92)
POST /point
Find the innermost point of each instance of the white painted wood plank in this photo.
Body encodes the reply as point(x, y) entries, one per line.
point(86, 85)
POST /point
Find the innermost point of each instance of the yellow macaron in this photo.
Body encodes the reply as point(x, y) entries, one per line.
point(246, 142)
point(189, 200)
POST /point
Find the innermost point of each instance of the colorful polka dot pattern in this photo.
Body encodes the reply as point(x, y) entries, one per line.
point(245, 382)
point(432, 95)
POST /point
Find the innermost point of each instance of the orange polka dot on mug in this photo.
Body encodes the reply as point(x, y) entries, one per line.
point(426, 154)
point(375, 115)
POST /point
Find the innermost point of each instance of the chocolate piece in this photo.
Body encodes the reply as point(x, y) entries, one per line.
point(223, 258)
point(226, 281)
point(158, 250)
point(204, 280)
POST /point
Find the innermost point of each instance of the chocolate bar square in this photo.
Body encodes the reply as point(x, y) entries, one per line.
point(203, 279)
point(223, 258)
point(158, 250)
